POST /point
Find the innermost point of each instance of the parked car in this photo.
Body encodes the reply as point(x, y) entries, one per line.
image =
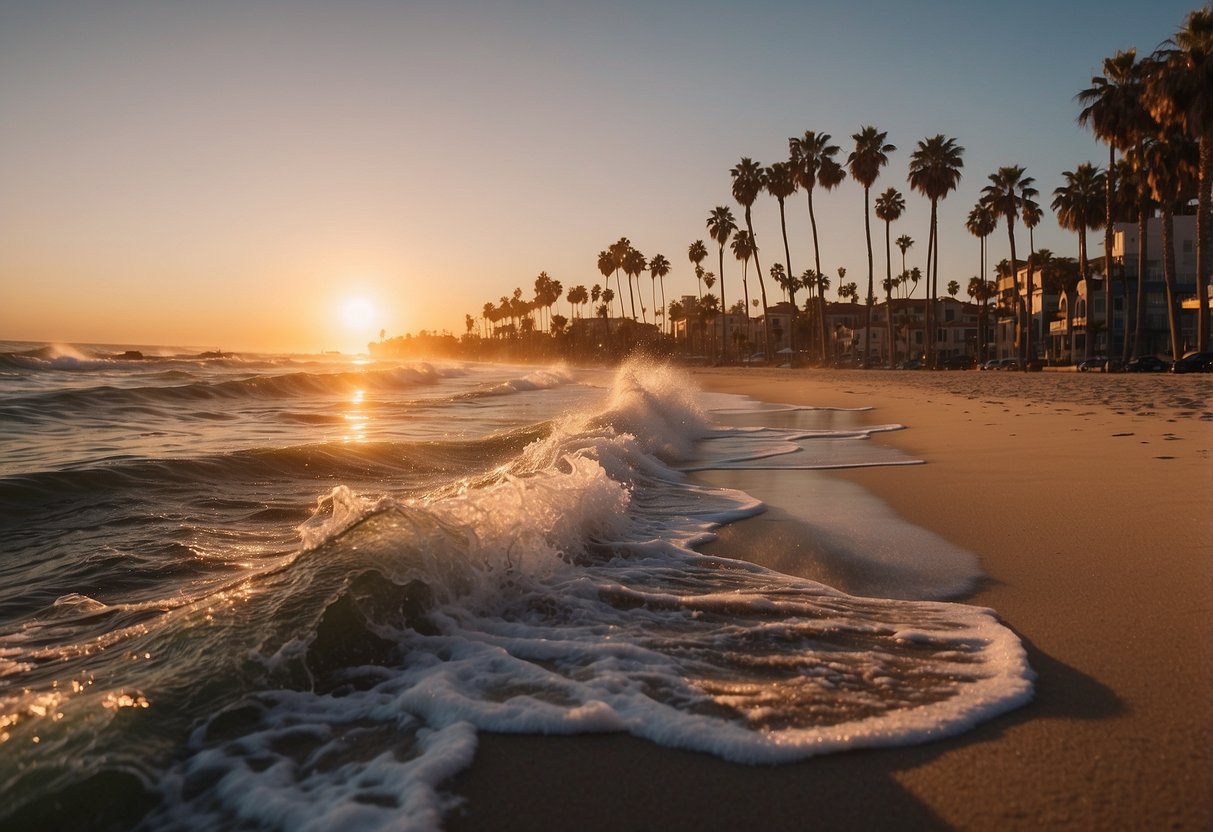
point(756, 358)
point(910, 364)
point(1194, 362)
point(1094, 364)
point(991, 364)
point(1147, 364)
point(957, 362)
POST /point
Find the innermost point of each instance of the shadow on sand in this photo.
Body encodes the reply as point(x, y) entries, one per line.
point(617, 782)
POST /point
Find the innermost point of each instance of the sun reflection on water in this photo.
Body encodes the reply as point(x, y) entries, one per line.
point(356, 419)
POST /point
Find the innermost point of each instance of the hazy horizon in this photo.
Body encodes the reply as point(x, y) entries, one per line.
point(238, 176)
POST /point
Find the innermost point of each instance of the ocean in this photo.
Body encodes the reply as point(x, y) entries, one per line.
point(287, 592)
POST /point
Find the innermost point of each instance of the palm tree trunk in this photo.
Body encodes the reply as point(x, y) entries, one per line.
point(935, 253)
point(665, 313)
point(1020, 340)
point(724, 340)
point(1204, 240)
point(1139, 323)
point(787, 261)
point(928, 316)
point(1109, 192)
point(888, 292)
point(821, 296)
point(1030, 347)
point(1168, 276)
point(762, 285)
point(871, 299)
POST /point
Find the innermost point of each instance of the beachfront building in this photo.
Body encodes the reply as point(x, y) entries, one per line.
point(702, 330)
point(1089, 318)
point(1156, 335)
point(958, 330)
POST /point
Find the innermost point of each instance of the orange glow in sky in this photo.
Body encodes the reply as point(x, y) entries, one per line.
point(233, 175)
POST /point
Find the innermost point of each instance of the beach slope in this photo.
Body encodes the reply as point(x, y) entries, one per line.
point(1090, 503)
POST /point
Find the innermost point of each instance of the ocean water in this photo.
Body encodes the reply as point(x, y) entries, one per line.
point(287, 592)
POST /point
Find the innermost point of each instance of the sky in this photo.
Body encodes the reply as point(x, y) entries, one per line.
point(287, 175)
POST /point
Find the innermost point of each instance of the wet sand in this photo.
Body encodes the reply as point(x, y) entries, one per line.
point(1089, 500)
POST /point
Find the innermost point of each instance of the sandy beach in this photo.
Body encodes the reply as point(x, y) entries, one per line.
point(1089, 500)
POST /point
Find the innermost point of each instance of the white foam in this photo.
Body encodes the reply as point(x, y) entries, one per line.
point(568, 600)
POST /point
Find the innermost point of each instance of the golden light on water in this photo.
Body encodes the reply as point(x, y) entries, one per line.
point(356, 418)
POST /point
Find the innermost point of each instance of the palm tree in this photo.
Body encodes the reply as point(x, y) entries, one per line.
point(981, 290)
point(1172, 165)
point(696, 253)
point(747, 183)
point(743, 250)
point(1077, 205)
point(1112, 108)
point(1180, 94)
point(604, 311)
point(1133, 200)
point(1005, 194)
point(905, 242)
point(607, 265)
point(813, 162)
point(634, 265)
point(871, 153)
point(780, 179)
point(659, 267)
point(721, 225)
point(889, 206)
point(619, 252)
point(934, 172)
point(1031, 213)
point(981, 224)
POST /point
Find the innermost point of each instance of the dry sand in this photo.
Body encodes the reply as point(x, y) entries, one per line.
point(1090, 502)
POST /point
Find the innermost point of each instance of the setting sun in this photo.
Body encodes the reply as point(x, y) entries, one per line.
point(358, 313)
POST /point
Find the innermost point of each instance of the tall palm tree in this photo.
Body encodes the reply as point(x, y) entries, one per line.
point(981, 290)
point(634, 264)
point(934, 172)
point(780, 180)
point(871, 153)
point(743, 250)
point(1171, 163)
point(1111, 108)
point(1133, 198)
point(981, 224)
point(619, 251)
point(607, 265)
point(1031, 212)
point(659, 267)
point(813, 162)
point(747, 184)
point(1005, 194)
point(721, 226)
point(697, 252)
point(889, 206)
point(1078, 205)
point(1180, 94)
point(905, 242)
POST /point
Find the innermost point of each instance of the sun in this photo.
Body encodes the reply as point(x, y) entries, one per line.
point(358, 312)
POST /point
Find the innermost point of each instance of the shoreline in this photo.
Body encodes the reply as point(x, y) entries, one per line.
point(1088, 500)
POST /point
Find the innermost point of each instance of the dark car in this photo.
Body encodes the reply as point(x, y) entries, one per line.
point(1093, 365)
point(1147, 364)
point(1194, 362)
point(958, 362)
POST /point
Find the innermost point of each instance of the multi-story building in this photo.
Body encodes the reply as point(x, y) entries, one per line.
point(957, 323)
point(1090, 335)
